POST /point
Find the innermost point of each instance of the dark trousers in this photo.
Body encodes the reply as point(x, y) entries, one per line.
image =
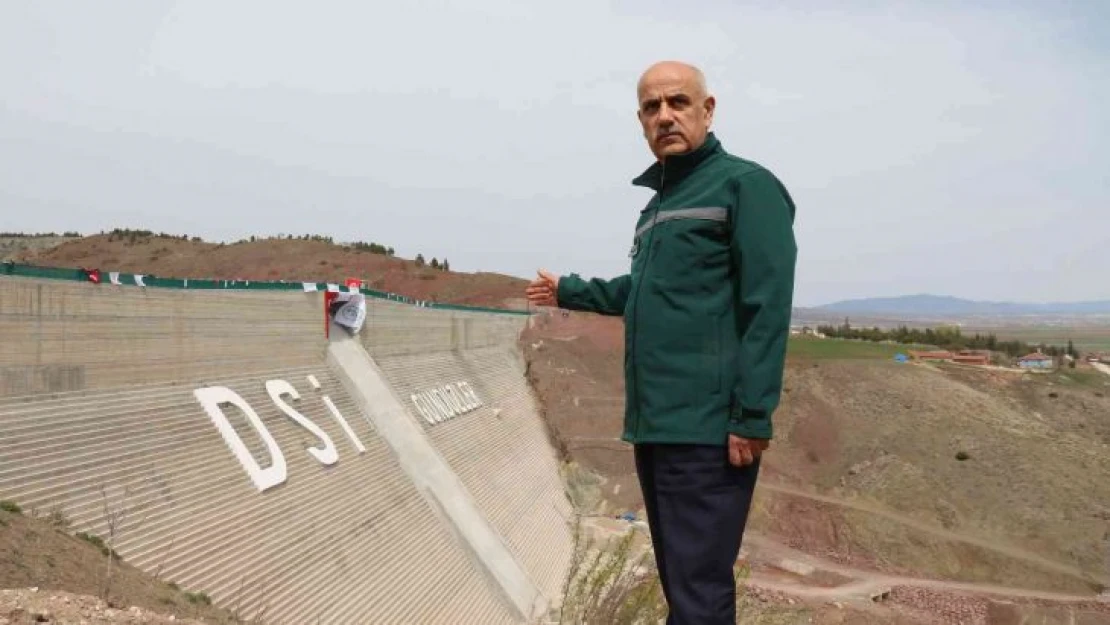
point(697, 505)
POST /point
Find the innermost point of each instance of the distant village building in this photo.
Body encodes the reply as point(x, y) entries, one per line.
point(963, 357)
point(1036, 360)
point(973, 357)
point(934, 356)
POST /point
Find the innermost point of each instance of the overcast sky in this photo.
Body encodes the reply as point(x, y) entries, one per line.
point(948, 147)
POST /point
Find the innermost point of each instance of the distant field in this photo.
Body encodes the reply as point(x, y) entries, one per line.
point(1081, 377)
point(1086, 338)
point(834, 349)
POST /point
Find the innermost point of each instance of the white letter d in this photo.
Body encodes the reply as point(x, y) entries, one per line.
point(211, 398)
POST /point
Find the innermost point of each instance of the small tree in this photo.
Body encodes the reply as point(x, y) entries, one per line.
point(446, 266)
point(435, 263)
point(419, 260)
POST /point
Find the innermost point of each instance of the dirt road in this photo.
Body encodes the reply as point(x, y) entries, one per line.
point(1006, 550)
point(863, 583)
point(866, 583)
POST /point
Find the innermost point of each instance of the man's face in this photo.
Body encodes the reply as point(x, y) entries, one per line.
point(674, 110)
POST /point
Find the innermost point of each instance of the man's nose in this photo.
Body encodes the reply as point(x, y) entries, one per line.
point(666, 115)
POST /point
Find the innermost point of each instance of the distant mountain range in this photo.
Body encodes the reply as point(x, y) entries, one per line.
point(939, 305)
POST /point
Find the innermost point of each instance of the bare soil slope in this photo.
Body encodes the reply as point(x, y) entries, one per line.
point(1033, 483)
point(42, 554)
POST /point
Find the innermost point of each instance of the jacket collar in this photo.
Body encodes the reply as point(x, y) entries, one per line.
point(679, 165)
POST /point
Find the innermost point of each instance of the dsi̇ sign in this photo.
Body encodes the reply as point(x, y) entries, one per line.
point(435, 405)
point(212, 398)
point(446, 402)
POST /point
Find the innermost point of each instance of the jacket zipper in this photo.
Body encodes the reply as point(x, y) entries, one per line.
point(647, 249)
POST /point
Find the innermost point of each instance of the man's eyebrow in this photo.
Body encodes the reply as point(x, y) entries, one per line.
point(668, 96)
point(672, 96)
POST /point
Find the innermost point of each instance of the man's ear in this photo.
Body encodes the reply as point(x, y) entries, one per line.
point(710, 106)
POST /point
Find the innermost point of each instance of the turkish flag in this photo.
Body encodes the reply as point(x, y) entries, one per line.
point(93, 275)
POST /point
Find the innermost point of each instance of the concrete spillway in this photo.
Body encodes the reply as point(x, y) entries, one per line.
point(400, 476)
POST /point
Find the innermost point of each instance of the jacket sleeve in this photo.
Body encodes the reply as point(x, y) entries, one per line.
point(764, 254)
point(606, 297)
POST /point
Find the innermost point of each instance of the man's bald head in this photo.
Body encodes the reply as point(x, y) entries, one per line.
point(675, 108)
point(676, 70)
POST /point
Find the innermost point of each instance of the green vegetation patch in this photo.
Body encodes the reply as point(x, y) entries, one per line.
point(1081, 377)
point(98, 542)
point(1087, 338)
point(198, 598)
point(839, 349)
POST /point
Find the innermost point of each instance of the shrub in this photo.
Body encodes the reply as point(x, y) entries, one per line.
point(98, 542)
point(200, 598)
point(611, 585)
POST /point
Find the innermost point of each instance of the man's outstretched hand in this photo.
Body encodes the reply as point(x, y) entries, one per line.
point(544, 290)
point(743, 451)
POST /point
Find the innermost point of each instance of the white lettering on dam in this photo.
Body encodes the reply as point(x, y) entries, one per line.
point(214, 398)
point(445, 402)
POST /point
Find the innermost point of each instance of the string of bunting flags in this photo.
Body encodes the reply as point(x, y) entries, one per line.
point(351, 285)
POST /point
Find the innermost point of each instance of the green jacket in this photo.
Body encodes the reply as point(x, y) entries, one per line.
point(707, 302)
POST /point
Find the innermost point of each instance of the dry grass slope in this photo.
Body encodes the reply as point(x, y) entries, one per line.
point(1034, 474)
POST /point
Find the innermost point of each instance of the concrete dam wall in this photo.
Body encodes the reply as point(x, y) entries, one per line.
point(219, 439)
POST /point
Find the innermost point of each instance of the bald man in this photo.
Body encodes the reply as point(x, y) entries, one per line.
point(706, 306)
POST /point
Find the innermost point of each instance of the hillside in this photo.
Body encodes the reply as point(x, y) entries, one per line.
point(997, 468)
point(16, 246)
point(883, 436)
point(277, 259)
point(68, 579)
